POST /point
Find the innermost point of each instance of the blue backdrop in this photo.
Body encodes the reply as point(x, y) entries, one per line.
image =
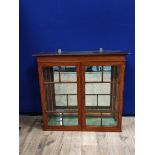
point(46, 25)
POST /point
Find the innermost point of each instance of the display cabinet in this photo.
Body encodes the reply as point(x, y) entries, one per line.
point(82, 91)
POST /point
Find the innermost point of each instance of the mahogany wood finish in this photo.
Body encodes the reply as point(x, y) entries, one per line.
point(81, 61)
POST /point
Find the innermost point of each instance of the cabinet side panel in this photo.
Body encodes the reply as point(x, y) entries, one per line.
point(122, 69)
point(42, 93)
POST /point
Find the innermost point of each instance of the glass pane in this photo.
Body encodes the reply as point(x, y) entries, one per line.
point(104, 100)
point(106, 73)
point(60, 74)
point(91, 100)
point(100, 119)
point(98, 73)
point(109, 121)
point(93, 73)
point(68, 74)
point(72, 100)
point(97, 88)
point(66, 119)
point(65, 88)
point(56, 73)
point(55, 119)
point(61, 98)
point(93, 119)
point(70, 119)
point(102, 95)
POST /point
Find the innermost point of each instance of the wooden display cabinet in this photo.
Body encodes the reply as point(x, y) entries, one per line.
point(82, 91)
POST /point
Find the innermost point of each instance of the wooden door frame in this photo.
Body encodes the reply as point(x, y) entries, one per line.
point(121, 65)
point(43, 98)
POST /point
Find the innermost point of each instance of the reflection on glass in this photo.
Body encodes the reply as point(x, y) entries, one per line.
point(91, 100)
point(97, 73)
point(100, 119)
point(93, 119)
point(93, 73)
point(72, 100)
point(55, 74)
point(101, 95)
point(97, 88)
point(109, 121)
point(63, 119)
point(68, 73)
point(61, 98)
point(107, 73)
point(54, 119)
point(103, 100)
point(65, 88)
point(70, 119)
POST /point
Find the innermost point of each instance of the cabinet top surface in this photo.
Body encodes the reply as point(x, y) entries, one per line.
point(83, 53)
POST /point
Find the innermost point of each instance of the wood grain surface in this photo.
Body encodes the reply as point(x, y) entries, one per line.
point(34, 141)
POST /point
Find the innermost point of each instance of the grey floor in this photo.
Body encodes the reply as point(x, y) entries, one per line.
point(34, 141)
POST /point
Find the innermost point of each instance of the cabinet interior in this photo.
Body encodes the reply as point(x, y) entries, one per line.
point(101, 95)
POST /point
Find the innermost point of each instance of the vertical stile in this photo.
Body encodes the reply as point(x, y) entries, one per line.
point(83, 107)
point(111, 87)
point(122, 69)
point(79, 94)
point(115, 90)
point(42, 92)
point(49, 88)
point(52, 88)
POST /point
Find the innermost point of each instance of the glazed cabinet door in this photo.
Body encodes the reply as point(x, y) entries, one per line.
point(60, 85)
point(102, 95)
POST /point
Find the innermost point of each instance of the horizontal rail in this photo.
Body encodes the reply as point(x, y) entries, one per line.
point(60, 111)
point(51, 82)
